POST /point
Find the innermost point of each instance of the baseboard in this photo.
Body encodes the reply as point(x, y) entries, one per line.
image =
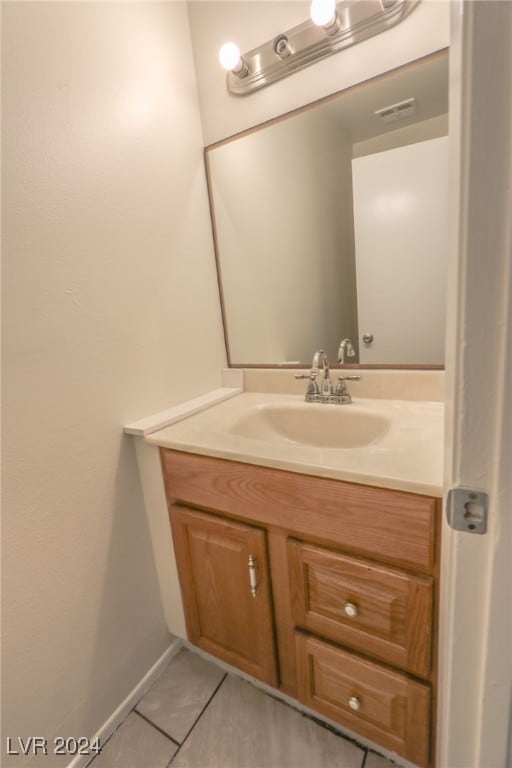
point(126, 706)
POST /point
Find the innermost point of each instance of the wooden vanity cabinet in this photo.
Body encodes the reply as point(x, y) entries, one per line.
point(324, 589)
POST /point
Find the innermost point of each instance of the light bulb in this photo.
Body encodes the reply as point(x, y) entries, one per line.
point(230, 59)
point(323, 12)
point(229, 56)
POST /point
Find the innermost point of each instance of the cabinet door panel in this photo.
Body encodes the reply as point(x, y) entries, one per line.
point(374, 609)
point(222, 614)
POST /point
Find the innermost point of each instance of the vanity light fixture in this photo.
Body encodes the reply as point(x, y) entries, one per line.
point(282, 47)
point(332, 27)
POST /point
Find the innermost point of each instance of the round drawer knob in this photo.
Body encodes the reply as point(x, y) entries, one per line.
point(351, 610)
point(354, 703)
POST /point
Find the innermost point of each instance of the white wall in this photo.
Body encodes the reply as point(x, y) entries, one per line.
point(110, 313)
point(286, 240)
point(252, 23)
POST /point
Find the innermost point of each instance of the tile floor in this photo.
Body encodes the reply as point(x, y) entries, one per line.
point(197, 716)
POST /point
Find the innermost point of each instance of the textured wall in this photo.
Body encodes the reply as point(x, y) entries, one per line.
point(111, 312)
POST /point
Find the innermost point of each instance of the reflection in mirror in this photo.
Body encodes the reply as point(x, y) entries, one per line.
point(331, 223)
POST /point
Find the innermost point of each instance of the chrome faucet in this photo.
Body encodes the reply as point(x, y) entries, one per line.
point(346, 348)
point(325, 393)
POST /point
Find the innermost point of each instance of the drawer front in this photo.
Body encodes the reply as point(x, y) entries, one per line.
point(391, 526)
point(377, 610)
point(379, 704)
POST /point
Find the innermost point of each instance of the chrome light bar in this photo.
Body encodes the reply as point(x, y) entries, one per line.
point(306, 43)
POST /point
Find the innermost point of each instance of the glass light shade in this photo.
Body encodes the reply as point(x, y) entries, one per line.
point(229, 56)
point(323, 12)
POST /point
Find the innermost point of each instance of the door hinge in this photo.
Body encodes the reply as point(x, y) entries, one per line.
point(467, 510)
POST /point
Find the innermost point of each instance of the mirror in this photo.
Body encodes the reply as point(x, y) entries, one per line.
point(331, 223)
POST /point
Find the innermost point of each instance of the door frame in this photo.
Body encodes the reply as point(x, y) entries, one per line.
point(476, 574)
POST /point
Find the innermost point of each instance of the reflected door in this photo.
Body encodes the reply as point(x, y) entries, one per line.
point(401, 239)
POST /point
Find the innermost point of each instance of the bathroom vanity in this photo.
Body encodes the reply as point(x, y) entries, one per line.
point(324, 587)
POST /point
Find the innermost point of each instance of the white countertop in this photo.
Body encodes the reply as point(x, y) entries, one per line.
point(409, 457)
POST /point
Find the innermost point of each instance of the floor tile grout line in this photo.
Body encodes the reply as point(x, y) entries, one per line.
point(103, 744)
point(177, 744)
point(326, 726)
point(197, 719)
point(156, 727)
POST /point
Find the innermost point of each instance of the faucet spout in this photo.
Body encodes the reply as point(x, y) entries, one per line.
point(320, 358)
point(346, 348)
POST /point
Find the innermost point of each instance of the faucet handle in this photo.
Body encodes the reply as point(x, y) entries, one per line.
point(341, 389)
point(313, 391)
point(311, 375)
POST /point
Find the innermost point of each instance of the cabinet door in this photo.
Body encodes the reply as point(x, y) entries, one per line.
point(224, 576)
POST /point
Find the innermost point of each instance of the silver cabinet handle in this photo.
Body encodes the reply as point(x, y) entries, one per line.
point(367, 338)
point(354, 703)
point(351, 610)
point(253, 580)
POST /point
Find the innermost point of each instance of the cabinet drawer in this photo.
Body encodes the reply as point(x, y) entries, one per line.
point(375, 702)
point(380, 611)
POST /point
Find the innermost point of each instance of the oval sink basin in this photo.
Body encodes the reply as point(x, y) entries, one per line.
point(325, 426)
